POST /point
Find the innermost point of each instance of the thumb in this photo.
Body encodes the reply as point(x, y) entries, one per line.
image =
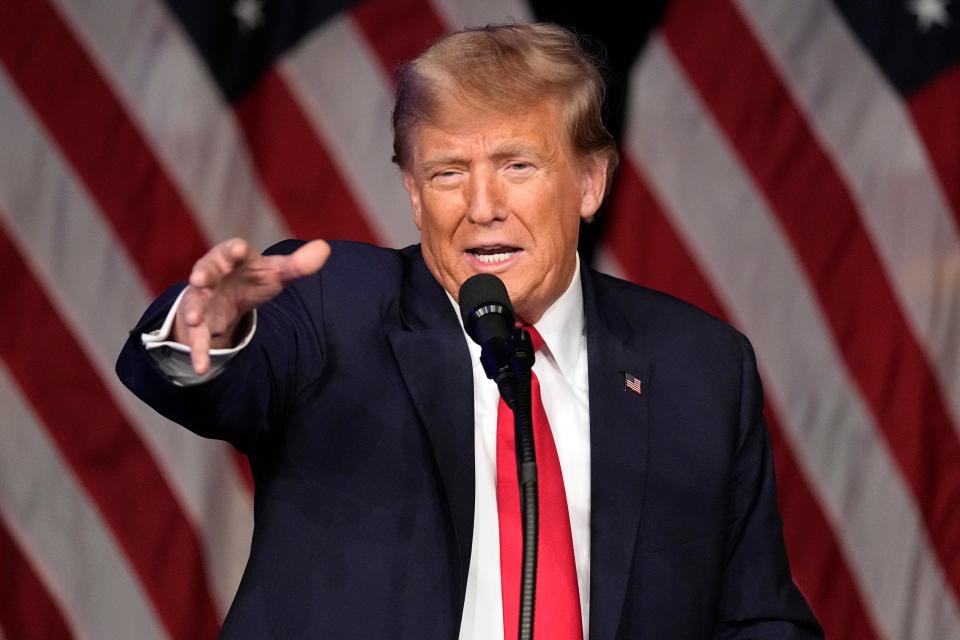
point(306, 260)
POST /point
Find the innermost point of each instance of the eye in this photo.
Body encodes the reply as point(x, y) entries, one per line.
point(445, 177)
point(520, 168)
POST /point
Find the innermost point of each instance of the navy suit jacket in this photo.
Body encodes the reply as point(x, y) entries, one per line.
point(354, 403)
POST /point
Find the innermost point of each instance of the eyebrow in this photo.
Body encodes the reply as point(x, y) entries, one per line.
point(516, 149)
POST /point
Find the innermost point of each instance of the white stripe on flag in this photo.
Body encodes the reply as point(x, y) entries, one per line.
point(89, 278)
point(867, 130)
point(719, 214)
point(349, 107)
point(169, 94)
point(62, 534)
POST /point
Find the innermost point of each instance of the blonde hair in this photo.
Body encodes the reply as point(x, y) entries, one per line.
point(503, 67)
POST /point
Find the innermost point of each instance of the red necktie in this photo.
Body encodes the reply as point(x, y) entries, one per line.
point(558, 600)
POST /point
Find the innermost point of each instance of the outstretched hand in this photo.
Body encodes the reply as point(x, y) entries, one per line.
point(229, 281)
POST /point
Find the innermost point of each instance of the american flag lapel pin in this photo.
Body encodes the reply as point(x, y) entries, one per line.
point(632, 383)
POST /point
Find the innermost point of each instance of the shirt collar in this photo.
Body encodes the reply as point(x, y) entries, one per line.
point(561, 327)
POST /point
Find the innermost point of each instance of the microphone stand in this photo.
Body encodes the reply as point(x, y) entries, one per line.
point(515, 387)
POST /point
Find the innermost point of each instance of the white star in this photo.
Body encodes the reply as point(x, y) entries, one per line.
point(249, 14)
point(929, 13)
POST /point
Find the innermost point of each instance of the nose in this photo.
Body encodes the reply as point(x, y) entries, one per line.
point(485, 201)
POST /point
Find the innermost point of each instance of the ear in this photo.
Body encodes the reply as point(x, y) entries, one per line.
point(593, 184)
point(413, 192)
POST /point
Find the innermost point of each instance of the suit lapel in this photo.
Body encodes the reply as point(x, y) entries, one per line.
point(433, 358)
point(618, 453)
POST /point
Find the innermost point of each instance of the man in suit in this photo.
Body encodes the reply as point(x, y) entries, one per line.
point(375, 439)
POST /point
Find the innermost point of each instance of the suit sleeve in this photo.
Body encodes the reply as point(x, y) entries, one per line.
point(253, 395)
point(759, 598)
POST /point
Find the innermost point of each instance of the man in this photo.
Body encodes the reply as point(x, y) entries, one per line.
point(375, 439)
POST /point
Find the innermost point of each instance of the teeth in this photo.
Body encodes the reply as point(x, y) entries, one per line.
point(493, 257)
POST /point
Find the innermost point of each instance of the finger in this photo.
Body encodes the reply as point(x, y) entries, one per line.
point(306, 260)
point(206, 273)
point(193, 307)
point(200, 349)
point(235, 251)
point(220, 261)
point(198, 339)
point(190, 315)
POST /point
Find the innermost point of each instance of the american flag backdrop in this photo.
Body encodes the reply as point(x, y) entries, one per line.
point(790, 165)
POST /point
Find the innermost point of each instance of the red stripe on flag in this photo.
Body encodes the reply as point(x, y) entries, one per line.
point(27, 609)
point(936, 113)
point(299, 174)
point(397, 30)
point(651, 253)
point(104, 146)
point(815, 209)
point(107, 456)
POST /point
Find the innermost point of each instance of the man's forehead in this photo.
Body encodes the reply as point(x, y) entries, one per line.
point(528, 128)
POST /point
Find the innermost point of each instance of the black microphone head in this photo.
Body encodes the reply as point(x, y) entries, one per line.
point(485, 308)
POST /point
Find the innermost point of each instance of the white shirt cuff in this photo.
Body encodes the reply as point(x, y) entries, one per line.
point(173, 358)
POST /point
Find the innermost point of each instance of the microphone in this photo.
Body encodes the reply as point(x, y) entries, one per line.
point(488, 319)
point(506, 353)
point(485, 308)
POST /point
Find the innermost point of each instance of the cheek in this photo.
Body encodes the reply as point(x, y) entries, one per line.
point(438, 225)
point(557, 223)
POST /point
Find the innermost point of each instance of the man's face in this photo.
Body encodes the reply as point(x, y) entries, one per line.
point(502, 194)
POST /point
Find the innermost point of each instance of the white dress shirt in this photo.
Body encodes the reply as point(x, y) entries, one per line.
point(561, 367)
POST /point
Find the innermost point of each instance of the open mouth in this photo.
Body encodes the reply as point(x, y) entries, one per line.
point(493, 254)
